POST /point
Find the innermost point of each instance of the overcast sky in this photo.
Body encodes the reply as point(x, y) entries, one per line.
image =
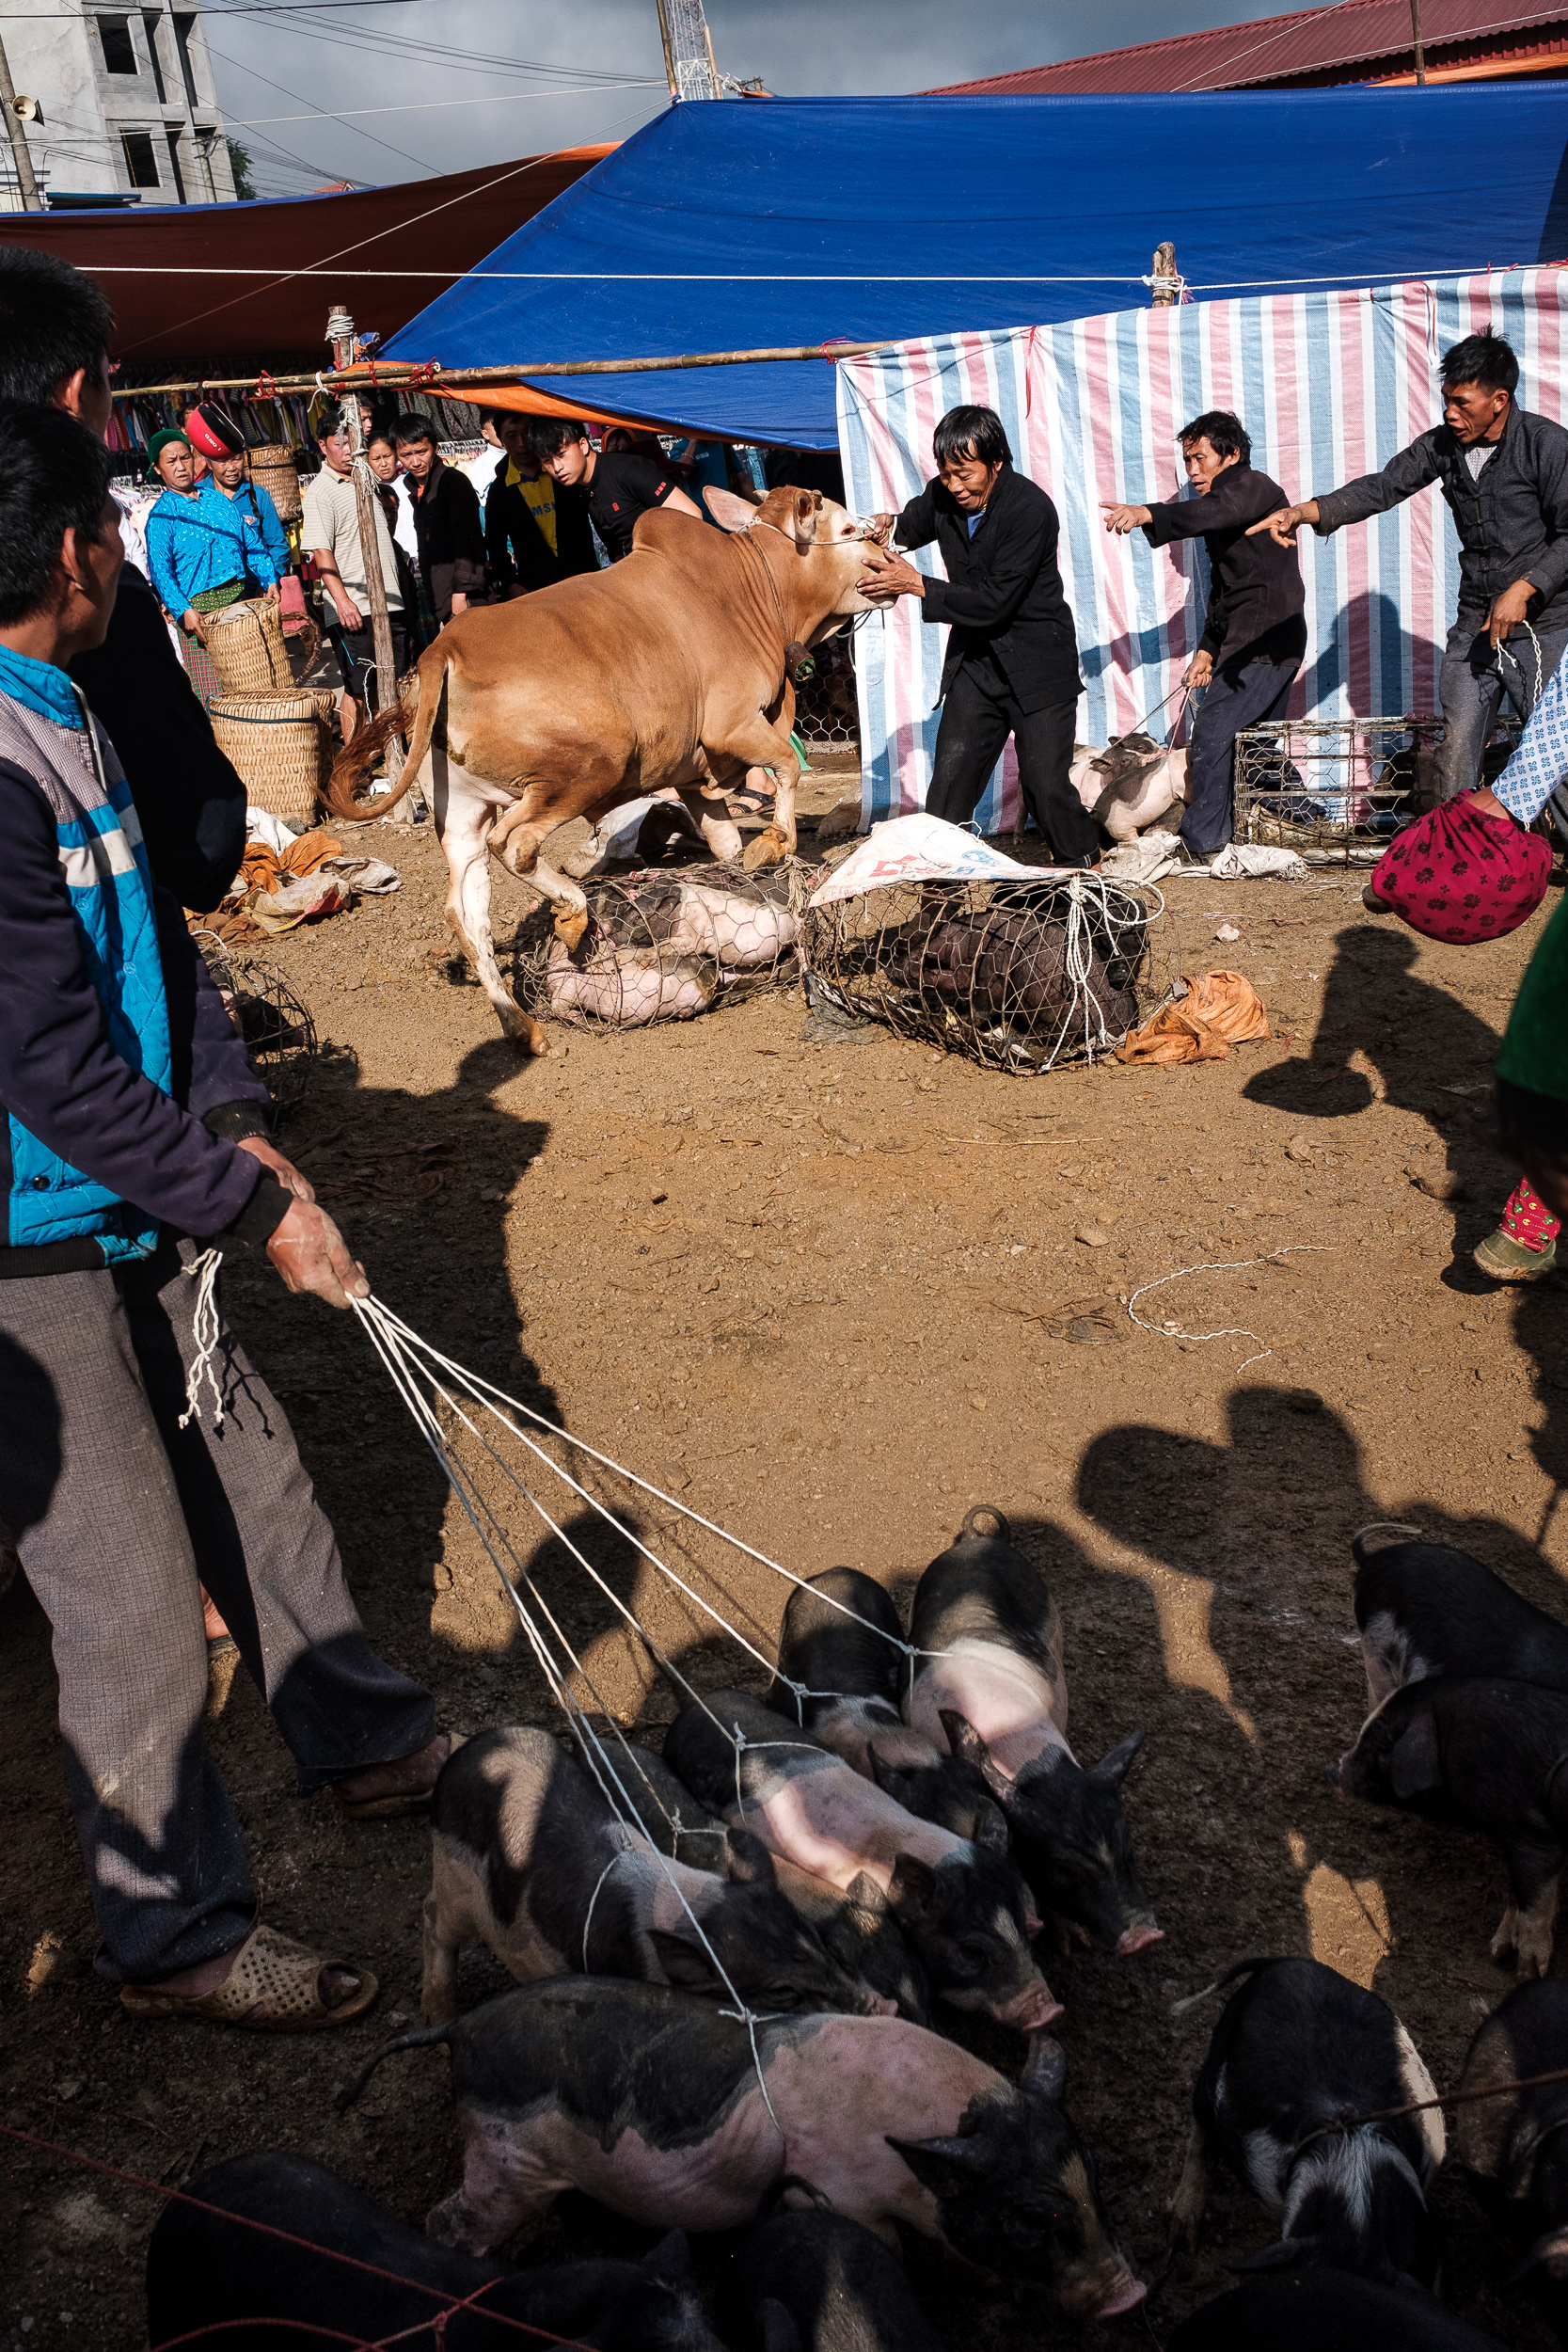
point(546, 70)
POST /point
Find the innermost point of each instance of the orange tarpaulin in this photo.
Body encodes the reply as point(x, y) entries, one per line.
point(532, 404)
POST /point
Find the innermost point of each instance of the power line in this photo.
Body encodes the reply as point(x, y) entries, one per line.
point(403, 152)
point(427, 105)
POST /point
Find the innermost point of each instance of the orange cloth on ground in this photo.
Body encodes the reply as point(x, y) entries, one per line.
point(262, 868)
point(1220, 1009)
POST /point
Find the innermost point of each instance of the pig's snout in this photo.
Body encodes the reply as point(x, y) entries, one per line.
point(1334, 1776)
point(1138, 1937)
point(1127, 2294)
point(879, 2006)
point(1031, 2010)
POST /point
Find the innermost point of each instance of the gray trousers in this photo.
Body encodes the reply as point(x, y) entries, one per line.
point(1240, 695)
point(1471, 686)
point(118, 1513)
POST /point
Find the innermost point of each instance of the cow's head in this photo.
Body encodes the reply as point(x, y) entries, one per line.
point(821, 531)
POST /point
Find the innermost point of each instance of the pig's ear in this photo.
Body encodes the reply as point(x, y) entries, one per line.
point(1548, 2253)
point(1114, 1765)
point(890, 1778)
point(913, 1892)
point(728, 512)
point(1285, 2254)
point(671, 2259)
point(776, 2329)
point(863, 1894)
point(965, 1740)
point(991, 1830)
point(1045, 2069)
point(1414, 1763)
point(945, 2167)
point(685, 1965)
point(750, 1862)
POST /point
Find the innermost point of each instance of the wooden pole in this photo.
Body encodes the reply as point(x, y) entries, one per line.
point(340, 334)
point(1421, 53)
point(31, 201)
point(370, 375)
point(669, 53)
point(1162, 268)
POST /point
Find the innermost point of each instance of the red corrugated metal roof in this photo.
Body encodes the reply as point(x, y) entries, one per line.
point(1310, 42)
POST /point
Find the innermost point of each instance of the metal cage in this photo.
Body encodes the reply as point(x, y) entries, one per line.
point(1338, 789)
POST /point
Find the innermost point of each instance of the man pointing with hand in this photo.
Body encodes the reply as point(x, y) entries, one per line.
point(1503, 472)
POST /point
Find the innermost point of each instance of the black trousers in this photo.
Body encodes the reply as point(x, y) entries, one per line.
point(356, 652)
point(975, 724)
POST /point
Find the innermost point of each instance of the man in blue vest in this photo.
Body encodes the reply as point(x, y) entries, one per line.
point(134, 1139)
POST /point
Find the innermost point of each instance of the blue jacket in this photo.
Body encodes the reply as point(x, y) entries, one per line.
point(197, 543)
point(114, 1045)
point(252, 503)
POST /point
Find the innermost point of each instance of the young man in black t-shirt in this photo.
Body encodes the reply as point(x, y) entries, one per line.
point(611, 489)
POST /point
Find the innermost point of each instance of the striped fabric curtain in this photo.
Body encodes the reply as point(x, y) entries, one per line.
point(1329, 385)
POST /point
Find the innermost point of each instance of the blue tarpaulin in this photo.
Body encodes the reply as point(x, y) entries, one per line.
point(758, 222)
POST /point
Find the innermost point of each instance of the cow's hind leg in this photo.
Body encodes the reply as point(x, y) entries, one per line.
point(518, 841)
point(464, 840)
point(720, 830)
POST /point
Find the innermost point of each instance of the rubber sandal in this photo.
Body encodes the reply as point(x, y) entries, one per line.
point(274, 1987)
point(751, 804)
point(1506, 1261)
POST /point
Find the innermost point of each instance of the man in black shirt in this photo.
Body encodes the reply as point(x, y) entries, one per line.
point(611, 490)
point(1012, 656)
point(1503, 472)
point(447, 524)
point(54, 327)
point(1255, 630)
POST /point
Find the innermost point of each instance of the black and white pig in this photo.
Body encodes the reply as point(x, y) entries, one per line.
point(1486, 1755)
point(530, 1859)
point(1425, 1608)
point(223, 2279)
point(670, 2111)
point(962, 1902)
point(1326, 2310)
point(677, 1824)
point(815, 2283)
point(990, 1686)
point(856, 1651)
point(1298, 2050)
point(1515, 2146)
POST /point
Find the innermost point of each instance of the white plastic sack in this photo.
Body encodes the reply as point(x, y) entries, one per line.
point(924, 848)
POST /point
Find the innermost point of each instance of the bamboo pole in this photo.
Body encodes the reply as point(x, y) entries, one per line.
point(340, 334)
point(371, 375)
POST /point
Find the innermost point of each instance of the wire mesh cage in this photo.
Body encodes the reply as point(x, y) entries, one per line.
point(665, 944)
point(279, 1035)
point(1337, 789)
point(1019, 976)
point(826, 716)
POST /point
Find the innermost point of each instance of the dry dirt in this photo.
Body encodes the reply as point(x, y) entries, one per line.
point(805, 1287)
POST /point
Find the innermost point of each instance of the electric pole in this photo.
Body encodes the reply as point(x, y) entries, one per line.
point(1421, 53)
point(31, 201)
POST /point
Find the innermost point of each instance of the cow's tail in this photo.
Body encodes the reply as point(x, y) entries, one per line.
point(354, 760)
point(422, 2038)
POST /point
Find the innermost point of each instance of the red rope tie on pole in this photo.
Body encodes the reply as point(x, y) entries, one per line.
point(266, 385)
point(269, 2229)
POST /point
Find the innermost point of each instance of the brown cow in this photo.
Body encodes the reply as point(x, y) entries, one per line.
point(669, 669)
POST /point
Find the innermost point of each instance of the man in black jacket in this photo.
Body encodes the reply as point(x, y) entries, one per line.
point(1504, 476)
point(445, 520)
point(1012, 657)
point(1255, 630)
point(55, 328)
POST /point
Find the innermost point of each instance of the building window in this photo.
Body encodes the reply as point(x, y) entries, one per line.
point(173, 138)
point(150, 27)
point(120, 55)
point(141, 159)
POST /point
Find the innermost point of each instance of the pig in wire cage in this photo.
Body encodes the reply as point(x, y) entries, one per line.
point(279, 1035)
point(1338, 789)
point(665, 944)
point(1019, 976)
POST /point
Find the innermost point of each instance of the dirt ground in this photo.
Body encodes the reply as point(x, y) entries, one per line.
point(806, 1288)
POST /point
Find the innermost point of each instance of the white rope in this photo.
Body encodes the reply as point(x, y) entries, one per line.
point(207, 1331)
point(1171, 1330)
point(592, 1901)
point(1540, 668)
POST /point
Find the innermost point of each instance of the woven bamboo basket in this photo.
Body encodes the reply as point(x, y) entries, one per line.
point(273, 466)
point(281, 747)
point(246, 643)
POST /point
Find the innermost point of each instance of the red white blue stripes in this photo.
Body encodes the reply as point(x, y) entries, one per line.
point(1329, 385)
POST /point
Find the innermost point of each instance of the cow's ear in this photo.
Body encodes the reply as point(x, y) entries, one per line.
point(728, 512)
point(806, 504)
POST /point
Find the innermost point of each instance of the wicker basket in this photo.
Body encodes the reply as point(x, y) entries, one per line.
point(273, 466)
point(245, 642)
point(281, 747)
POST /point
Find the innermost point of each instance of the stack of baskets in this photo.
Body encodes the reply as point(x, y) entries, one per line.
point(273, 466)
point(279, 736)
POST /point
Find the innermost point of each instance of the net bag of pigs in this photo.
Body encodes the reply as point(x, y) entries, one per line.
point(1019, 976)
point(664, 946)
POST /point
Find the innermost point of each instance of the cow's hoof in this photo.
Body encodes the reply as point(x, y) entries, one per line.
point(570, 925)
point(768, 848)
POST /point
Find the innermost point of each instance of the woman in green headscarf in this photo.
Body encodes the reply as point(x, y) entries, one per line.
point(195, 551)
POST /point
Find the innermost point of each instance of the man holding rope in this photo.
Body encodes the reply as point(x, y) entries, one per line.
point(133, 1140)
point(1255, 630)
point(1503, 472)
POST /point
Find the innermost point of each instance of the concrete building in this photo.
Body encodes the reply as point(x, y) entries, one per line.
point(126, 108)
